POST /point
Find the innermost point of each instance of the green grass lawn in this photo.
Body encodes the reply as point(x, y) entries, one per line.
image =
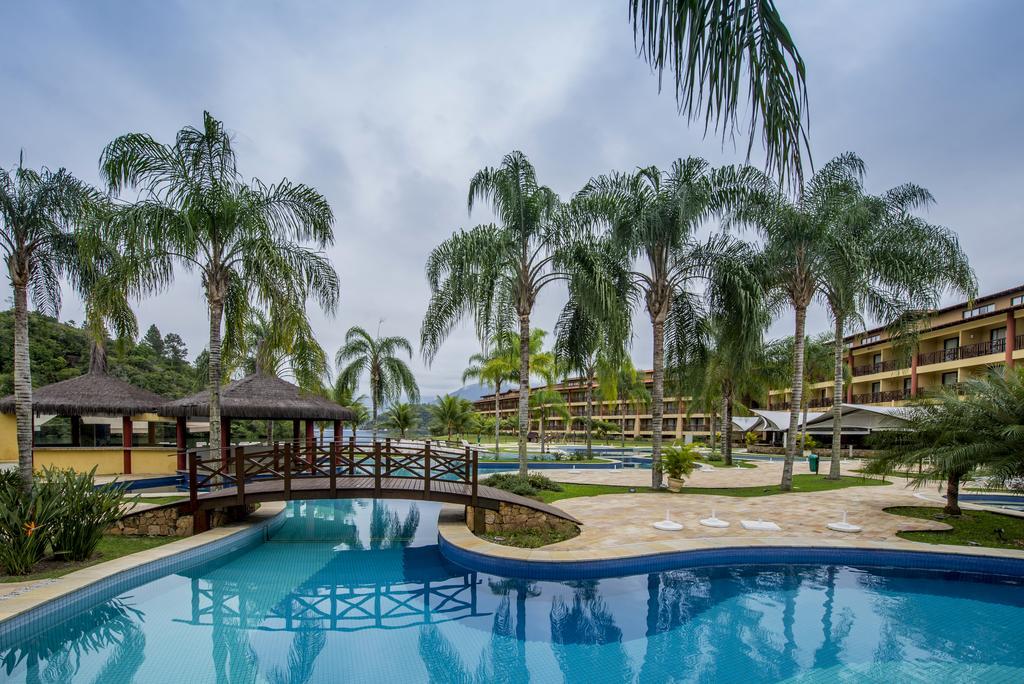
point(529, 539)
point(984, 528)
point(111, 547)
point(804, 482)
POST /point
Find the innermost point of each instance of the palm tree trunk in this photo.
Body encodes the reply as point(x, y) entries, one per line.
point(797, 399)
point(590, 412)
point(216, 313)
point(497, 421)
point(524, 388)
point(727, 419)
point(657, 401)
point(803, 431)
point(373, 407)
point(837, 402)
point(953, 494)
point(543, 439)
point(23, 385)
point(713, 439)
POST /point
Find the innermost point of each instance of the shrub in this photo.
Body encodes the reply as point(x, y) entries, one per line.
point(751, 439)
point(524, 486)
point(85, 513)
point(679, 460)
point(26, 524)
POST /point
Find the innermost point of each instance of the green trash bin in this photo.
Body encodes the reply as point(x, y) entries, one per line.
point(812, 463)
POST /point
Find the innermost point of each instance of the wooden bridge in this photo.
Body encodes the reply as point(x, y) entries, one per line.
point(345, 470)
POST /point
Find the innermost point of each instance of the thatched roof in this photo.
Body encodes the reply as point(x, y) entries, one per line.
point(263, 397)
point(92, 394)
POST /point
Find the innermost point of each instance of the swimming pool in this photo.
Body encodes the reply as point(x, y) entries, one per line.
point(359, 591)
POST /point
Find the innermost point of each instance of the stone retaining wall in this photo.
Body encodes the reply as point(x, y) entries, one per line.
point(171, 521)
point(512, 517)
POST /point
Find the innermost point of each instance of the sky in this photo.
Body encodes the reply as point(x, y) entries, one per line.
point(389, 108)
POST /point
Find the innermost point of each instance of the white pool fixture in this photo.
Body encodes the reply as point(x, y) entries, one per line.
point(668, 524)
point(844, 526)
point(760, 525)
point(714, 521)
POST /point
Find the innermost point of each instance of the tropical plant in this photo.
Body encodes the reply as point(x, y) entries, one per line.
point(278, 342)
point(86, 510)
point(623, 384)
point(494, 366)
point(26, 523)
point(528, 485)
point(680, 460)
point(344, 394)
point(546, 404)
point(902, 266)
point(42, 214)
point(653, 218)
point(604, 428)
point(390, 376)
point(714, 48)
point(750, 437)
point(494, 273)
point(452, 414)
point(948, 436)
point(402, 417)
point(244, 239)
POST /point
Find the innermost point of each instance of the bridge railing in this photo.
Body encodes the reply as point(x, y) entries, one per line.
point(236, 467)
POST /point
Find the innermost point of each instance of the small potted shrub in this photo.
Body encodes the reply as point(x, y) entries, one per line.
point(677, 462)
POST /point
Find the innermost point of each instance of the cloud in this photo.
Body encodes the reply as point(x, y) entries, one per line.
point(390, 110)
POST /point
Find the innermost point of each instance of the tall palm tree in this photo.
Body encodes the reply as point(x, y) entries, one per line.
point(494, 273)
point(950, 435)
point(390, 376)
point(452, 414)
point(653, 219)
point(402, 417)
point(800, 245)
point(903, 266)
point(623, 384)
point(278, 342)
point(245, 239)
point(42, 214)
point(717, 48)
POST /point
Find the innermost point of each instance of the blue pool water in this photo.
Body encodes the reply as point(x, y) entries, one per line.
point(358, 591)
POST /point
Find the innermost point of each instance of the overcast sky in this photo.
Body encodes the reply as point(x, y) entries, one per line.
point(388, 109)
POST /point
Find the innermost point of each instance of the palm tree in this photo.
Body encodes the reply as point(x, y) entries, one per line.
point(244, 239)
point(800, 245)
point(494, 368)
point(949, 436)
point(715, 49)
point(903, 266)
point(545, 404)
point(452, 414)
point(494, 273)
point(279, 342)
point(42, 214)
point(344, 394)
point(622, 384)
point(402, 417)
point(390, 376)
point(654, 218)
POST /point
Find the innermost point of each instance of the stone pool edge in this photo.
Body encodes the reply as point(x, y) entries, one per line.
point(458, 544)
point(66, 595)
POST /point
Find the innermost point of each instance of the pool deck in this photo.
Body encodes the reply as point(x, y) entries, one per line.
point(619, 526)
point(19, 597)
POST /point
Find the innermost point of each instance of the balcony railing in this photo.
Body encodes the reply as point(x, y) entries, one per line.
point(820, 403)
point(881, 397)
point(882, 367)
point(968, 351)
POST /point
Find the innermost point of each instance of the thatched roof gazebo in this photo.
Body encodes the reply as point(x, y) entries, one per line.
point(92, 394)
point(262, 397)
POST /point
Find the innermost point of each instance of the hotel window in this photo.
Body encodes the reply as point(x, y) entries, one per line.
point(876, 388)
point(949, 379)
point(979, 310)
point(869, 340)
point(907, 383)
point(949, 346)
point(997, 340)
point(1017, 301)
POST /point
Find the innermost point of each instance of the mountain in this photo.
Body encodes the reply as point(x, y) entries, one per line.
point(472, 392)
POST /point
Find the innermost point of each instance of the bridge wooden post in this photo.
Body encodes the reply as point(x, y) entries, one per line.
point(426, 470)
point(387, 457)
point(469, 464)
point(334, 468)
point(376, 470)
point(287, 471)
point(476, 476)
point(352, 454)
point(277, 456)
point(240, 474)
point(193, 481)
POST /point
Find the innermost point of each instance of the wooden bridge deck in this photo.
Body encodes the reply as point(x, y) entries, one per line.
point(347, 487)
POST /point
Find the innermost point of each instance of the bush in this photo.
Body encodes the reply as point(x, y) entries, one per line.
point(751, 439)
point(524, 486)
point(26, 524)
point(86, 511)
point(679, 460)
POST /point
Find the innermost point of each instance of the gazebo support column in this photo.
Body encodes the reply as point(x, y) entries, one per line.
point(295, 433)
point(126, 440)
point(225, 440)
point(180, 442)
point(76, 431)
point(310, 444)
point(337, 433)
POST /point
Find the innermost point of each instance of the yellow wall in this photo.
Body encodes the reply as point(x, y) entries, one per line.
point(8, 438)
